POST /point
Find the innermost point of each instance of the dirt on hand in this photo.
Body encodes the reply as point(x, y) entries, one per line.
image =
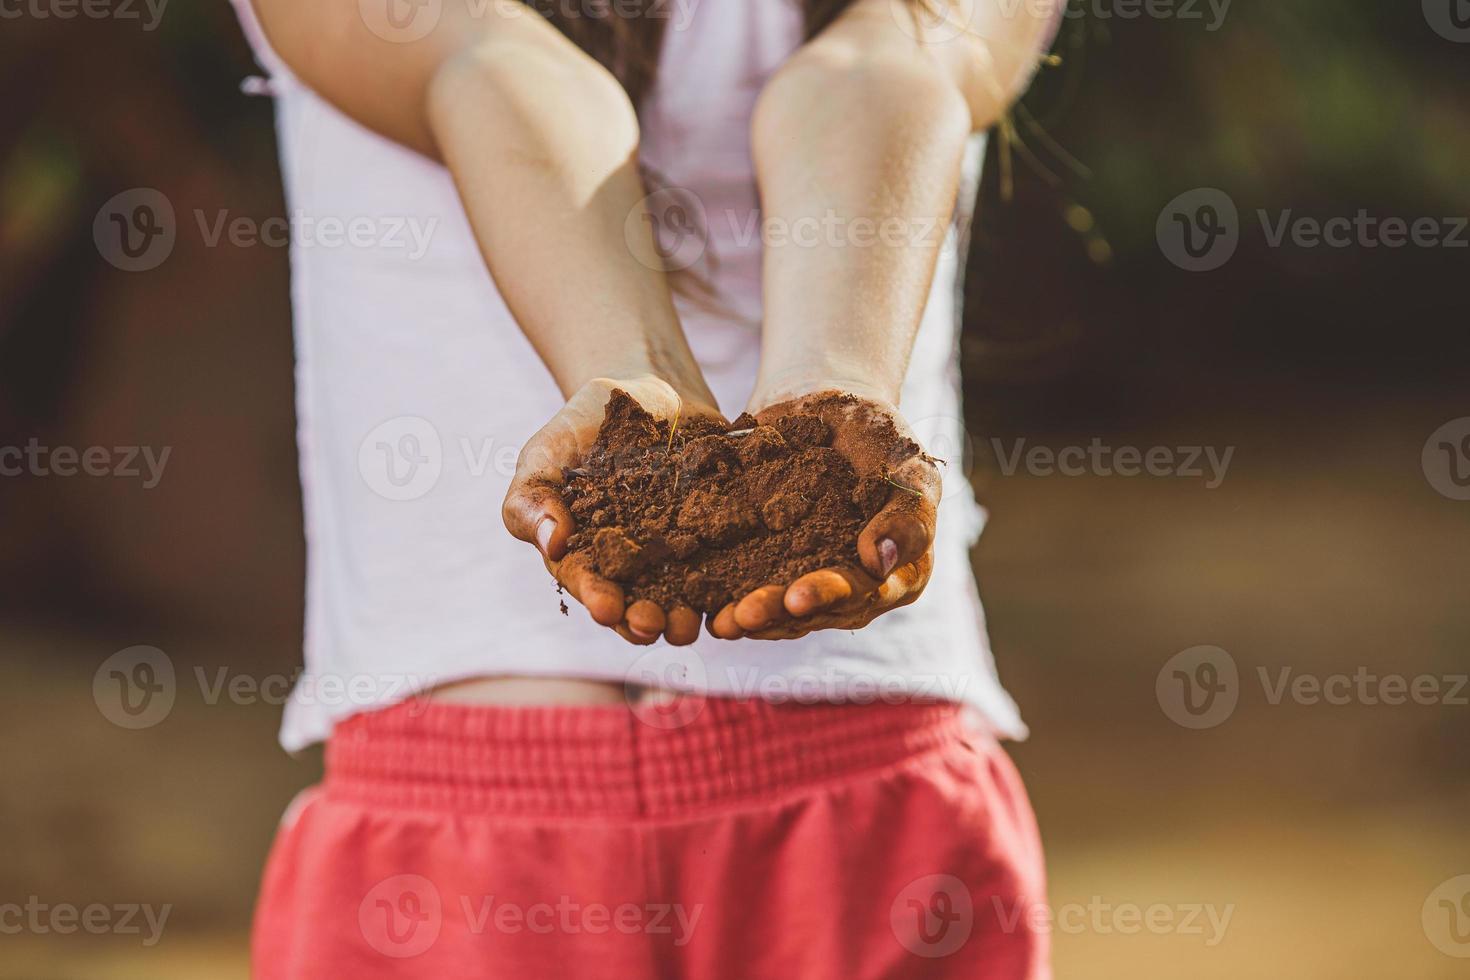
point(699, 514)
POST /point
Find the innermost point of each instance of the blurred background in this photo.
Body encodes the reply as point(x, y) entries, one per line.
point(1114, 300)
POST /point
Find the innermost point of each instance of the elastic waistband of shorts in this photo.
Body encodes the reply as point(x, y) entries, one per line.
point(648, 760)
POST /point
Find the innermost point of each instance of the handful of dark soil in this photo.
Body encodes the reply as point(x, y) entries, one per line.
point(702, 515)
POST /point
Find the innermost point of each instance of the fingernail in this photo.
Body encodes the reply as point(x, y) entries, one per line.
point(544, 530)
point(887, 555)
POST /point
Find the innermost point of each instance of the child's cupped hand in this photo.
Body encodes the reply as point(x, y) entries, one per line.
point(535, 511)
point(895, 547)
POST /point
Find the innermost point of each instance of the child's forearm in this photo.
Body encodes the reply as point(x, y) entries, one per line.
point(858, 141)
point(857, 161)
point(542, 143)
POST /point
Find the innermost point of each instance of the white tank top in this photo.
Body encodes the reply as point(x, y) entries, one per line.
point(415, 390)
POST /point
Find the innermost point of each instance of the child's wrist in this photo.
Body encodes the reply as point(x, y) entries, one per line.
point(776, 387)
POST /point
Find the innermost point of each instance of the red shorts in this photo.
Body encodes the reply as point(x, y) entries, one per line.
point(715, 839)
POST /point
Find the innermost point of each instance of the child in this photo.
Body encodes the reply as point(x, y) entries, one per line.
point(572, 796)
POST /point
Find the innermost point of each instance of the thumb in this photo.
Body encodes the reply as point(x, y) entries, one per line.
point(534, 510)
point(903, 530)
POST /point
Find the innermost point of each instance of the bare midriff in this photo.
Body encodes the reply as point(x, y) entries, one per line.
point(536, 690)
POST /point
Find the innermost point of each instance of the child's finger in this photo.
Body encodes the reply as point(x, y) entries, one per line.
point(683, 626)
point(602, 597)
point(762, 608)
point(723, 626)
point(646, 619)
point(824, 588)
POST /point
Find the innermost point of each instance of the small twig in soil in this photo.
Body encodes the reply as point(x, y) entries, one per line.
point(678, 413)
point(916, 493)
point(674, 491)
